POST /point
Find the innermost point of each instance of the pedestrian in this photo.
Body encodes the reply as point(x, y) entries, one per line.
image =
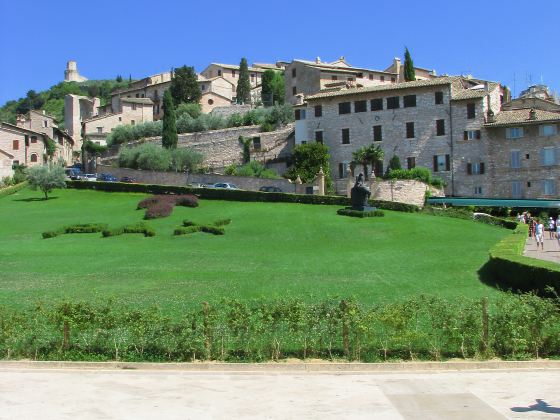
point(558, 230)
point(539, 228)
point(531, 225)
point(551, 229)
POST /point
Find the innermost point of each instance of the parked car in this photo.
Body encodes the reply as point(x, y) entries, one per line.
point(73, 173)
point(128, 180)
point(89, 177)
point(107, 178)
point(270, 189)
point(224, 185)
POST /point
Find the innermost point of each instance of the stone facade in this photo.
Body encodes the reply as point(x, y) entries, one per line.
point(428, 130)
point(76, 110)
point(71, 73)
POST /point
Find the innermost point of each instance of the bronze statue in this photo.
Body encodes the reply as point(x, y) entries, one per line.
point(360, 194)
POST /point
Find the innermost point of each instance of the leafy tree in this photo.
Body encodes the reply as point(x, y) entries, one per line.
point(50, 147)
point(193, 110)
point(374, 154)
point(278, 88)
point(394, 164)
point(359, 157)
point(409, 73)
point(307, 160)
point(46, 178)
point(119, 78)
point(154, 158)
point(243, 91)
point(169, 132)
point(272, 88)
point(185, 159)
point(184, 86)
point(246, 143)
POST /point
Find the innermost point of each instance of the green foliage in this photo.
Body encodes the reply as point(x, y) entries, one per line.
point(185, 159)
point(214, 230)
point(134, 228)
point(361, 214)
point(307, 160)
point(127, 133)
point(409, 72)
point(77, 228)
point(394, 164)
point(419, 173)
point(243, 91)
point(252, 169)
point(94, 149)
point(50, 147)
point(8, 190)
point(273, 91)
point(184, 86)
point(152, 157)
point(467, 214)
point(169, 136)
point(246, 143)
point(193, 110)
point(46, 178)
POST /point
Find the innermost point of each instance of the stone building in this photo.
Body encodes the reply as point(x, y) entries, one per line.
point(524, 153)
point(438, 123)
point(71, 73)
point(76, 110)
point(305, 77)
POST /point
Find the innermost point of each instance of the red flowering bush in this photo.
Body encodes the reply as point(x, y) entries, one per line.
point(162, 205)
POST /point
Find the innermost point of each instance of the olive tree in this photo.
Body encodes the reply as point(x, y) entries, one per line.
point(46, 178)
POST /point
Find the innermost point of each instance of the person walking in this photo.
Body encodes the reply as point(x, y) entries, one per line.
point(558, 230)
point(551, 228)
point(539, 228)
point(531, 225)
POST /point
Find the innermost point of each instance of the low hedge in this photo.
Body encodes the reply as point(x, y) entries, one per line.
point(77, 228)
point(362, 214)
point(512, 269)
point(496, 221)
point(186, 230)
point(465, 214)
point(235, 195)
point(135, 228)
point(222, 222)
point(13, 189)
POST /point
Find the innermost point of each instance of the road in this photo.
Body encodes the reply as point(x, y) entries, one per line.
point(28, 393)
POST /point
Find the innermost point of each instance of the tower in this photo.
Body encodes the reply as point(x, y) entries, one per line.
point(71, 73)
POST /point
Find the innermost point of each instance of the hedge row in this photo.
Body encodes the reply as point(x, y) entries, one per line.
point(135, 228)
point(78, 228)
point(428, 328)
point(361, 214)
point(214, 230)
point(235, 195)
point(513, 270)
point(13, 189)
point(465, 214)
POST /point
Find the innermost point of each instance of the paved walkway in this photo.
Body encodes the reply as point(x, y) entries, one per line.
point(155, 394)
point(551, 250)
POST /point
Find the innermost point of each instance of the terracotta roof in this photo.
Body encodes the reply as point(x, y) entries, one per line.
point(234, 67)
point(146, 101)
point(327, 66)
point(462, 94)
point(522, 117)
point(382, 88)
point(15, 127)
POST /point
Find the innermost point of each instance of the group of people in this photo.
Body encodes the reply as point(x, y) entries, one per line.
point(537, 228)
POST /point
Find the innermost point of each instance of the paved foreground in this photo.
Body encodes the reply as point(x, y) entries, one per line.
point(175, 394)
point(551, 251)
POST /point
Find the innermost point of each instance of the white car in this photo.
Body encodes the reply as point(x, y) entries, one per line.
point(89, 177)
point(225, 185)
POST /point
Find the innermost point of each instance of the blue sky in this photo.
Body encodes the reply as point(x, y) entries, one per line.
point(141, 38)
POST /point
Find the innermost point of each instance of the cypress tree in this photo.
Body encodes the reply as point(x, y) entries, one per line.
point(169, 132)
point(244, 85)
point(409, 73)
point(184, 86)
point(267, 88)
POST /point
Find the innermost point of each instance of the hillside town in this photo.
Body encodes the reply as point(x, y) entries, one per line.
point(466, 131)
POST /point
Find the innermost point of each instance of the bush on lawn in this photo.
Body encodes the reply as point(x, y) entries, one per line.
point(159, 210)
point(77, 228)
point(362, 214)
point(135, 228)
point(222, 222)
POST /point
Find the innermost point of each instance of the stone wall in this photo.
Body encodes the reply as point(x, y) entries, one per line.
point(173, 178)
point(227, 111)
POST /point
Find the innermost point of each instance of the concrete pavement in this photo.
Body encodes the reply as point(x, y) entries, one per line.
point(29, 393)
point(551, 250)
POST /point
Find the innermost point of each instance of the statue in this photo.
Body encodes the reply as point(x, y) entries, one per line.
point(360, 194)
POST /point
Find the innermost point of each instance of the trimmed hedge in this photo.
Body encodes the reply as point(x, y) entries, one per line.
point(222, 222)
point(235, 195)
point(13, 189)
point(135, 228)
point(496, 221)
point(362, 214)
point(461, 213)
point(508, 265)
point(78, 228)
point(214, 230)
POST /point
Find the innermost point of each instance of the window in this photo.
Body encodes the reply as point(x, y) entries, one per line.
point(475, 168)
point(377, 133)
point(350, 79)
point(360, 106)
point(252, 76)
point(378, 168)
point(120, 118)
point(477, 190)
point(528, 184)
point(514, 132)
point(300, 114)
point(15, 145)
point(219, 73)
point(471, 135)
point(360, 75)
point(410, 162)
point(409, 101)
point(233, 73)
point(440, 127)
point(439, 98)
point(548, 157)
point(515, 158)
point(132, 122)
point(100, 129)
point(319, 136)
point(381, 78)
point(547, 130)
point(442, 163)
point(33, 139)
point(293, 72)
point(333, 78)
point(60, 140)
point(549, 187)
point(516, 189)
point(142, 95)
point(393, 102)
point(393, 80)
point(344, 108)
point(202, 87)
point(318, 110)
point(34, 157)
point(257, 143)
point(137, 95)
point(377, 104)
point(343, 169)
point(370, 76)
point(409, 130)
point(345, 136)
point(527, 156)
point(134, 107)
point(471, 111)
point(45, 123)
point(294, 90)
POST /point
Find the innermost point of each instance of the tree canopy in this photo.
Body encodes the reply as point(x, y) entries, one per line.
point(243, 91)
point(409, 72)
point(46, 178)
point(184, 86)
point(169, 135)
point(273, 92)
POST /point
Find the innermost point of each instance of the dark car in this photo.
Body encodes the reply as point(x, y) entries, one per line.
point(128, 180)
point(270, 189)
point(107, 178)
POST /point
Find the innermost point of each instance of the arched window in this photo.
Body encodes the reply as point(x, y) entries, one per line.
point(34, 157)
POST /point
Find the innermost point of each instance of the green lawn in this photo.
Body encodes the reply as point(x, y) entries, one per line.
point(269, 250)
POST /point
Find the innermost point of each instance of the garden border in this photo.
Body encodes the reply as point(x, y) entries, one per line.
point(12, 189)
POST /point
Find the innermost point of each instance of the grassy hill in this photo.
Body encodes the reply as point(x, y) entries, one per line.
point(270, 250)
point(52, 100)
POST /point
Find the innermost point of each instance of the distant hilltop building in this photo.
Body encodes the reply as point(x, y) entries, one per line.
point(539, 92)
point(71, 73)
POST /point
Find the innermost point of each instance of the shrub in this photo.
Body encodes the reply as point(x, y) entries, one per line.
point(186, 200)
point(357, 213)
point(147, 202)
point(46, 178)
point(159, 210)
point(235, 120)
point(77, 228)
point(162, 205)
point(187, 223)
point(135, 228)
point(186, 230)
point(214, 230)
point(418, 173)
point(13, 189)
point(222, 222)
point(496, 221)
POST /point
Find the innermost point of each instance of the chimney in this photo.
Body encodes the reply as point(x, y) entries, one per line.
point(532, 114)
point(318, 60)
